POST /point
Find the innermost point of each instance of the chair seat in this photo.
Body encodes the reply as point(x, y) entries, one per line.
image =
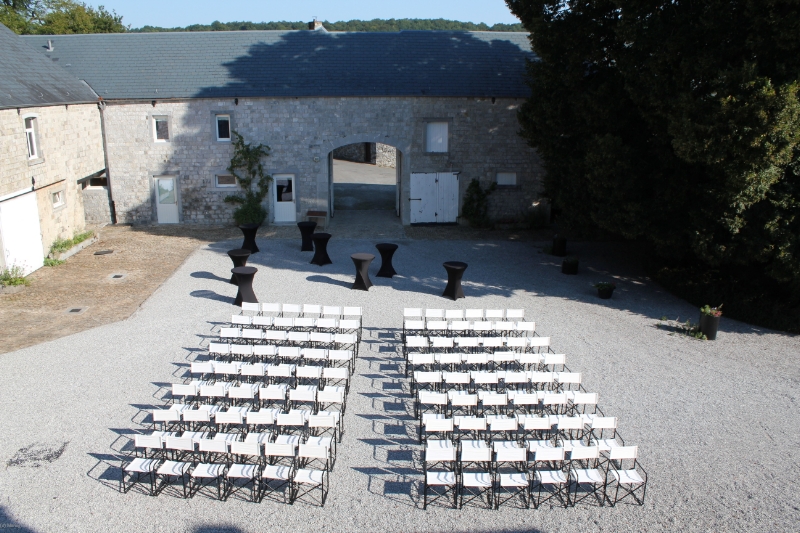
point(513, 480)
point(476, 479)
point(589, 475)
point(277, 472)
point(551, 477)
point(207, 470)
point(319, 441)
point(260, 438)
point(534, 445)
point(627, 477)
point(141, 464)
point(606, 444)
point(438, 443)
point(242, 471)
point(308, 476)
point(287, 439)
point(173, 468)
point(440, 478)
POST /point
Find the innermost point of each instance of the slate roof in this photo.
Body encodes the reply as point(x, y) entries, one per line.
point(28, 79)
point(294, 63)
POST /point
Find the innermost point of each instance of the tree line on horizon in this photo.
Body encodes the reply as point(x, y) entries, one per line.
point(375, 25)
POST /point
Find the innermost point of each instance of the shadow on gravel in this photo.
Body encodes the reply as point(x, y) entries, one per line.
point(7, 523)
point(217, 529)
point(209, 275)
point(329, 281)
point(211, 295)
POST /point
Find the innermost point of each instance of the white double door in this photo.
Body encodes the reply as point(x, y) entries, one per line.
point(21, 233)
point(284, 198)
point(434, 197)
point(167, 209)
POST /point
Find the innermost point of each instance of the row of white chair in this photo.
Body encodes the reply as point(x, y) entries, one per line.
point(505, 359)
point(235, 369)
point(303, 337)
point(424, 343)
point(298, 323)
point(277, 309)
point(225, 392)
point(465, 327)
point(558, 426)
point(490, 380)
point(461, 314)
point(243, 419)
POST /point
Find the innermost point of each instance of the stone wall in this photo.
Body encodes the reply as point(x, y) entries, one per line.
point(70, 146)
point(357, 153)
point(302, 132)
point(385, 155)
point(96, 206)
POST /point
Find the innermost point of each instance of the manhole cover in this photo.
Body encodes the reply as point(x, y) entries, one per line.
point(117, 276)
point(75, 310)
point(104, 252)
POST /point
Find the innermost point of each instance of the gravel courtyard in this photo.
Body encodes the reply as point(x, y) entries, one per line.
point(716, 422)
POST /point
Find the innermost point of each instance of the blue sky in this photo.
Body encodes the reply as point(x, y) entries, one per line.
point(171, 13)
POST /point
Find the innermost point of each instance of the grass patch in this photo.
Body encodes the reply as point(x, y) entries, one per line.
point(62, 245)
point(53, 262)
point(13, 277)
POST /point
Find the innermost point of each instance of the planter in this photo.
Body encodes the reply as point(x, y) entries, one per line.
point(709, 325)
point(559, 246)
point(569, 267)
point(249, 231)
point(75, 249)
point(605, 294)
point(11, 289)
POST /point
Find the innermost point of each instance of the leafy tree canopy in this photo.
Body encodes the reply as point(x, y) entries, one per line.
point(676, 122)
point(351, 25)
point(53, 17)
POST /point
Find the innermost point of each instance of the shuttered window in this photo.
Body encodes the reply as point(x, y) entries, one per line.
point(436, 137)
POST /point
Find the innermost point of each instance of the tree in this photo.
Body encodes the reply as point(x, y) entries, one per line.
point(247, 168)
point(674, 122)
point(58, 17)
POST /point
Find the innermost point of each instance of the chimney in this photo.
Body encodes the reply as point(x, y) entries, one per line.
point(50, 47)
point(315, 25)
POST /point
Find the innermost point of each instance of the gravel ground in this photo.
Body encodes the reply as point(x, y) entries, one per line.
point(716, 422)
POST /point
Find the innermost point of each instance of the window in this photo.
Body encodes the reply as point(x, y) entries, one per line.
point(436, 137)
point(223, 127)
point(161, 129)
point(30, 136)
point(58, 199)
point(506, 179)
point(225, 180)
point(98, 182)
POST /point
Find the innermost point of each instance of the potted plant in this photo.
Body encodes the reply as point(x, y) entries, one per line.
point(246, 167)
point(605, 289)
point(709, 321)
point(570, 265)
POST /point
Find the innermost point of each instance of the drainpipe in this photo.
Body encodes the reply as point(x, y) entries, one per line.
point(101, 105)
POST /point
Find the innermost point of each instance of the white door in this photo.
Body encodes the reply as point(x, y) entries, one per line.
point(398, 171)
point(284, 196)
point(447, 207)
point(330, 182)
point(167, 200)
point(423, 197)
point(21, 233)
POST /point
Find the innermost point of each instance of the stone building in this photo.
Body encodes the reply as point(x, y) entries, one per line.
point(51, 148)
point(446, 102)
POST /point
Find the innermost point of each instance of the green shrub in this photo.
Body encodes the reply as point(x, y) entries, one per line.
point(12, 277)
point(476, 204)
point(246, 167)
point(53, 262)
point(62, 245)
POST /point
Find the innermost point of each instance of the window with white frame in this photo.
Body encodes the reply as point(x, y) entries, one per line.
point(161, 129)
point(58, 198)
point(31, 137)
point(224, 180)
point(506, 179)
point(223, 127)
point(436, 136)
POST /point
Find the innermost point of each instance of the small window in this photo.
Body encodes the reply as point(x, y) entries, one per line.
point(161, 126)
point(225, 180)
point(223, 127)
point(30, 136)
point(58, 199)
point(506, 179)
point(436, 137)
point(98, 182)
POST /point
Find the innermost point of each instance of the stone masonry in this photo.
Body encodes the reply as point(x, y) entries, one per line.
point(302, 132)
point(71, 148)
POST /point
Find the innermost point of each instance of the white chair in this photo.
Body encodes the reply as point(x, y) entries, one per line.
point(312, 310)
point(538, 342)
point(554, 403)
point(627, 474)
point(412, 312)
point(247, 469)
point(265, 351)
point(604, 432)
point(298, 337)
point(331, 311)
point(289, 353)
point(321, 337)
point(331, 375)
point(172, 469)
point(454, 314)
point(246, 391)
point(304, 394)
point(241, 320)
point(218, 348)
point(242, 351)
point(548, 476)
point(515, 314)
point(271, 308)
point(305, 480)
point(511, 472)
point(568, 380)
point(262, 321)
point(291, 309)
point(434, 314)
point(275, 335)
point(230, 333)
point(135, 469)
point(253, 370)
point(251, 307)
point(436, 327)
point(586, 475)
point(261, 419)
point(283, 322)
point(276, 392)
point(494, 314)
point(473, 314)
point(204, 474)
point(441, 343)
point(459, 326)
point(481, 327)
point(551, 361)
point(476, 478)
point(442, 481)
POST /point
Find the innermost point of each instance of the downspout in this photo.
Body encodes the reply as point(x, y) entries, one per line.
point(101, 105)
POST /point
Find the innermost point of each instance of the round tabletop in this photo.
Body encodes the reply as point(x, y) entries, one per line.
point(244, 270)
point(238, 252)
point(455, 265)
point(321, 235)
point(363, 257)
point(386, 246)
point(307, 224)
